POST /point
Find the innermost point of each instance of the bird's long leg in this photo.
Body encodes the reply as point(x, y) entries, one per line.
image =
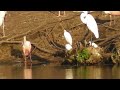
point(25, 58)
point(110, 20)
point(91, 38)
point(3, 30)
point(114, 20)
point(31, 66)
point(30, 58)
point(25, 65)
point(78, 45)
point(86, 35)
point(58, 14)
point(85, 42)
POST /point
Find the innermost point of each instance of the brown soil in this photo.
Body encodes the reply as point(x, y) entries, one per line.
point(45, 30)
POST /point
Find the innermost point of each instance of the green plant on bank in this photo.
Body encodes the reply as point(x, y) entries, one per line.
point(82, 55)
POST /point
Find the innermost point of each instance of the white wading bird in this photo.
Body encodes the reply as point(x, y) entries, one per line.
point(112, 13)
point(68, 37)
point(89, 20)
point(2, 17)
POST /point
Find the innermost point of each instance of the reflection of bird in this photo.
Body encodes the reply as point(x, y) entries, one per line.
point(68, 74)
point(60, 14)
point(112, 13)
point(2, 17)
point(26, 48)
point(28, 72)
point(90, 22)
point(68, 37)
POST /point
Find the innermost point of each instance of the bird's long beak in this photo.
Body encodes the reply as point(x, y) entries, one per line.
point(24, 38)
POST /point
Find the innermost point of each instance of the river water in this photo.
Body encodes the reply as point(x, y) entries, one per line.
point(51, 71)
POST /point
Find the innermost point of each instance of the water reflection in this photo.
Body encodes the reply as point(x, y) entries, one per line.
point(21, 71)
point(5, 72)
point(93, 72)
point(28, 71)
point(116, 72)
point(68, 74)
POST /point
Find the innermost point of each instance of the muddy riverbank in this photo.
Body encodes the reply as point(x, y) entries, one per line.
point(45, 31)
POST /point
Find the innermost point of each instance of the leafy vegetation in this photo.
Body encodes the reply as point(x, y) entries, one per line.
point(82, 55)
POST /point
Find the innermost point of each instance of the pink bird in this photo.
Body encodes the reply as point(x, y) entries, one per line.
point(112, 13)
point(26, 49)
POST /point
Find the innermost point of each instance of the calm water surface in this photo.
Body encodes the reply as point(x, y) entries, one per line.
point(50, 71)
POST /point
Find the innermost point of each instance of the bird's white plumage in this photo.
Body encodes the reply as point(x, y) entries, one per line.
point(93, 44)
point(2, 15)
point(83, 17)
point(91, 23)
point(68, 47)
point(68, 37)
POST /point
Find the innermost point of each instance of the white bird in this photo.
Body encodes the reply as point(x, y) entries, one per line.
point(93, 44)
point(2, 17)
point(68, 37)
point(90, 22)
point(68, 47)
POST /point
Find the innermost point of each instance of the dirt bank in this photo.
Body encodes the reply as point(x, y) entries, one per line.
point(45, 30)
